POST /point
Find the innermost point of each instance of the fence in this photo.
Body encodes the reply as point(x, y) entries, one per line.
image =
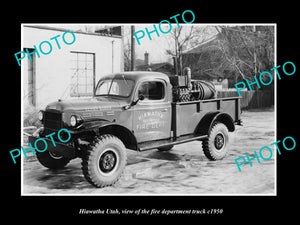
point(251, 100)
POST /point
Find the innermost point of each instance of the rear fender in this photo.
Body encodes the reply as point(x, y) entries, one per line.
point(206, 123)
point(225, 119)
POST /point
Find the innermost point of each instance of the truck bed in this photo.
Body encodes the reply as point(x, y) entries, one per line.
point(186, 115)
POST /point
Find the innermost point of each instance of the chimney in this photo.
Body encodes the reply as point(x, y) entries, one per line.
point(147, 63)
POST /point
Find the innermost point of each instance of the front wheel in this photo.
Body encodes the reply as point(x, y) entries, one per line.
point(51, 160)
point(216, 146)
point(104, 161)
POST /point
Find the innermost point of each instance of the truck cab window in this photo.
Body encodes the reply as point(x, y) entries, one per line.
point(152, 90)
point(115, 87)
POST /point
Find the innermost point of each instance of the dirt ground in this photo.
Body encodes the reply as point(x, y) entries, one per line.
point(183, 170)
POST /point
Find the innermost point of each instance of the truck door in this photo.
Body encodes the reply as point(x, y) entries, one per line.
point(152, 115)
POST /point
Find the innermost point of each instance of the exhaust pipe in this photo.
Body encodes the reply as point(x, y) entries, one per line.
point(188, 74)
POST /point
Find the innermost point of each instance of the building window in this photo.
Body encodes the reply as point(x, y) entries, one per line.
point(83, 74)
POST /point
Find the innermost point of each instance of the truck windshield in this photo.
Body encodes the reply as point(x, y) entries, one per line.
point(115, 87)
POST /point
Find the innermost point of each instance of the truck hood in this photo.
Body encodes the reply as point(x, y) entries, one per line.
point(90, 104)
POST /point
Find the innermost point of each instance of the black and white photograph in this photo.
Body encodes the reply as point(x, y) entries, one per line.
point(125, 111)
point(149, 109)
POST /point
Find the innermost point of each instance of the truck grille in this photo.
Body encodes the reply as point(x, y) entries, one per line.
point(52, 120)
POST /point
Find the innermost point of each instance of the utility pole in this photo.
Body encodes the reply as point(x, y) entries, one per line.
point(112, 56)
point(132, 47)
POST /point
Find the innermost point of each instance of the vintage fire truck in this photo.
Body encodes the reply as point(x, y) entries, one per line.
point(138, 110)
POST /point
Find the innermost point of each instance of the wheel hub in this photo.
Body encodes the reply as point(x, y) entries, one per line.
point(107, 161)
point(219, 141)
point(54, 155)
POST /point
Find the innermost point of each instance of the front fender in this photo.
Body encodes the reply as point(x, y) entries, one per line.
point(106, 127)
point(92, 125)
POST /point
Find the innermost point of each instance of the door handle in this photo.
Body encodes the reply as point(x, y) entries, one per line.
point(164, 110)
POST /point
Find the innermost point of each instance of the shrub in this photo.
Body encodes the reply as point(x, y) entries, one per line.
point(31, 116)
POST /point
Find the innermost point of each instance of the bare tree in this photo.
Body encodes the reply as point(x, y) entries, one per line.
point(185, 37)
point(247, 51)
point(180, 40)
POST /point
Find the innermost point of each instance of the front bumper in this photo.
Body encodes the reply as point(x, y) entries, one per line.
point(66, 150)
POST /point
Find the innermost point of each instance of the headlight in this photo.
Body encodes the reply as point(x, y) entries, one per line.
point(41, 115)
point(73, 121)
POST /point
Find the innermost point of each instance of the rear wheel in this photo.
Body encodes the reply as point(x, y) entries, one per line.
point(104, 161)
point(216, 146)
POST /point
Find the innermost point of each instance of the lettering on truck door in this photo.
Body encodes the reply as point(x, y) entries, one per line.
point(152, 116)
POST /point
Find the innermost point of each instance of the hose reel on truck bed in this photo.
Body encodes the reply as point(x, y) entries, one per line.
point(185, 89)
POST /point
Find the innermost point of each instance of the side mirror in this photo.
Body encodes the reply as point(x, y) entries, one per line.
point(141, 98)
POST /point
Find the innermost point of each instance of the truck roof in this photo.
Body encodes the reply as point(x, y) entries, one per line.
point(137, 75)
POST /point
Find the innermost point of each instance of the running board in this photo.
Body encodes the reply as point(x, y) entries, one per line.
point(167, 142)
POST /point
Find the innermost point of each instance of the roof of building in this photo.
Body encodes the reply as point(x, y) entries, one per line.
point(74, 31)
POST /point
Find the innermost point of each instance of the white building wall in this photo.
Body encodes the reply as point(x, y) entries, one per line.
point(53, 71)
